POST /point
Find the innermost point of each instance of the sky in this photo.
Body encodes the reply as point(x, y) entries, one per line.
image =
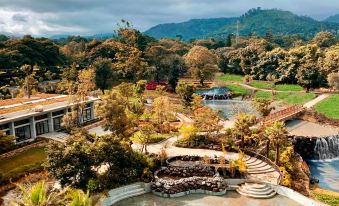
point(87, 17)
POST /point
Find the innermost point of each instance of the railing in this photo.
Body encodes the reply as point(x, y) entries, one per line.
point(268, 161)
point(282, 114)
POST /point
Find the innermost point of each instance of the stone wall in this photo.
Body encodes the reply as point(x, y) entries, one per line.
point(168, 187)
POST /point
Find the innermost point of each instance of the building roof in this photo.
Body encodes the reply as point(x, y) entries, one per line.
point(26, 109)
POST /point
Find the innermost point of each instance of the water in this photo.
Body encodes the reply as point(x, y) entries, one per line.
point(231, 198)
point(213, 91)
point(327, 171)
point(229, 108)
point(327, 148)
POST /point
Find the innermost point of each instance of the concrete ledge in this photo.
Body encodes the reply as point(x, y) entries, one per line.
point(296, 196)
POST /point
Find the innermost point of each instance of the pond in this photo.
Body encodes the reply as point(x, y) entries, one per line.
point(231, 198)
point(214, 90)
point(327, 171)
point(229, 108)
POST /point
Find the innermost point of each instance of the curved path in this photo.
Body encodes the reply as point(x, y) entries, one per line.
point(259, 89)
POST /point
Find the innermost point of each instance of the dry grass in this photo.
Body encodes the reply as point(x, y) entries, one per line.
point(25, 99)
point(31, 106)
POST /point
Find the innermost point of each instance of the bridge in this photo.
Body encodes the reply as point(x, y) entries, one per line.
point(282, 115)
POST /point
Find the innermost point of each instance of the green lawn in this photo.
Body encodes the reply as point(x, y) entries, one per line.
point(262, 84)
point(237, 89)
point(288, 97)
point(231, 78)
point(24, 161)
point(329, 107)
point(154, 138)
point(288, 87)
point(327, 199)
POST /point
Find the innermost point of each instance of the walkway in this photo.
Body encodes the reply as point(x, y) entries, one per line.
point(259, 89)
point(56, 136)
point(315, 101)
point(310, 129)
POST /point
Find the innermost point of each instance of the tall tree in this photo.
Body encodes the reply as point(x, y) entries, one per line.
point(29, 81)
point(105, 77)
point(202, 63)
point(277, 134)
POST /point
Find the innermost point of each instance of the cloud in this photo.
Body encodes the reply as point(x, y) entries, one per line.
point(48, 17)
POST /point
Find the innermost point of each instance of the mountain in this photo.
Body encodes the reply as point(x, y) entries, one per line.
point(192, 29)
point(334, 19)
point(256, 21)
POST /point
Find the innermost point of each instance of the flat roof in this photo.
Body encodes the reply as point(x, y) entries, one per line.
point(27, 110)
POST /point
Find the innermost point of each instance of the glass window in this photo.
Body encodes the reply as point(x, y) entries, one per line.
point(4, 126)
point(20, 122)
point(87, 115)
point(58, 113)
point(57, 123)
point(41, 127)
point(44, 116)
point(23, 133)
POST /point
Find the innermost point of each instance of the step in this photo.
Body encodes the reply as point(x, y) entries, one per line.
point(125, 188)
point(128, 196)
point(251, 160)
point(260, 171)
point(262, 167)
point(257, 164)
point(255, 191)
point(257, 196)
point(255, 185)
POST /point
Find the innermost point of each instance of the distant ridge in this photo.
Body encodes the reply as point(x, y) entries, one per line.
point(257, 21)
point(333, 19)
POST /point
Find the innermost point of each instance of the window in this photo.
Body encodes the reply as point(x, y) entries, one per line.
point(57, 123)
point(44, 116)
point(58, 113)
point(23, 133)
point(87, 115)
point(41, 127)
point(4, 127)
point(21, 122)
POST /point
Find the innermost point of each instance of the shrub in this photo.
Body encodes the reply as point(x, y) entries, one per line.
point(7, 142)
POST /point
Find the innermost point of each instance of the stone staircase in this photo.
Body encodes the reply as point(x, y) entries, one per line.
point(124, 192)
point(257, 166)
point(258, 170)
point(256, 190)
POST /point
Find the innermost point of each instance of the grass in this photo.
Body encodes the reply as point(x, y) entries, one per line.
point(237, 89)
point(287, 97)
point(29, 161)
point(231, 78)
point(155, 138)
point(20, 162)
point(326, 196)
point(329, 107)
point(262, 84)
point(288, 87)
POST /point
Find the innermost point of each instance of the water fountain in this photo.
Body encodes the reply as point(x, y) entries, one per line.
point(327, 148)
point(216, 93)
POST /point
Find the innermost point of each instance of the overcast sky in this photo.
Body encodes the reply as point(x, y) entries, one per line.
point(85, 17)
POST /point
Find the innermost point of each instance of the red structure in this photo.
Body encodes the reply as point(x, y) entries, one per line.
point(153, 85)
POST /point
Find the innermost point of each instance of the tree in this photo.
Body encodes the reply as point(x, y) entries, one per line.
point(6, 142)
point(113, 110)
point(202, 63)
point(242, 127)
point(144, 135)
point(330, 62)
point(277, 134)
point(162, 111)
point(333, 80)
point(29, 81)
point(104, 74)
point(140, 87)
point(262, 106)
point(69, 78)
point(205, 119)
point(324, 39)
point(229, 40)
point(185, 91)
point(71, 163)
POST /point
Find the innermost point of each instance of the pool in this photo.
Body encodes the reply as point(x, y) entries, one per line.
point(214, 90)
point(229, 108)
point(231, 198)
point(327, 171)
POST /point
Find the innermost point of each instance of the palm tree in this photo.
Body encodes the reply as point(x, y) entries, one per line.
point(242, 126)
point(277, 134)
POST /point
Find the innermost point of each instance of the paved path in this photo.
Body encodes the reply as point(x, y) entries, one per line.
point(310, 129)
point(264, 90)
point(315, 101)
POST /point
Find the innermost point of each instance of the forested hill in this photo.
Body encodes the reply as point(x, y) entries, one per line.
point(255, 21)
point(192, 29)
point(334, 18)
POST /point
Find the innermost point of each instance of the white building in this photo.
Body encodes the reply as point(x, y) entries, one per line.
point(41, 118)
